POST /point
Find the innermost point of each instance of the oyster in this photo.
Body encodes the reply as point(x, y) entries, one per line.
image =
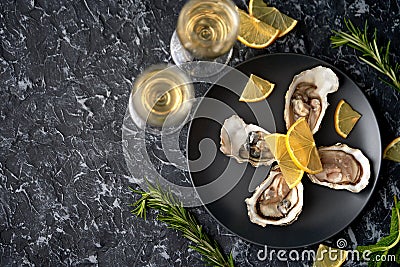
point(245, 142)
point(343, 168)
point(273, 202)
point(307, 96)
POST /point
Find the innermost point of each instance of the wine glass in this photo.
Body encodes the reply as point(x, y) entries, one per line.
point(161, 99)
point(206, 31)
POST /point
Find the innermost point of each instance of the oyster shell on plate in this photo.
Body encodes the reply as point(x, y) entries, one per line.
point(307, 96)
point(273, 202)
point(245, 142)
point(343, 168)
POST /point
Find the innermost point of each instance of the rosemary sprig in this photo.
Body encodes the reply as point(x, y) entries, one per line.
point(177, 217)
point(378, 58)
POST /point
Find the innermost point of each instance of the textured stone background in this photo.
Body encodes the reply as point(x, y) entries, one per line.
point(66, 68)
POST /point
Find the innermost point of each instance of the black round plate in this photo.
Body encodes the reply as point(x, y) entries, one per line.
point(325, 211)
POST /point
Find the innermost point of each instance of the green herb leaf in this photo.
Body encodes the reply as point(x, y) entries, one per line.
point(378, 58)
point(177, 217)
point(394, 223)
point(397, 253)
point(388, 245)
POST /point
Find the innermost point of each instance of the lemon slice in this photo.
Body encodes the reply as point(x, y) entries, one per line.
point(392, 151)
point(291, 173)
point(256, 89)
point(329, 257)
point(255, 33)
point(301, 147)
point(345, 118)
point(272, 16)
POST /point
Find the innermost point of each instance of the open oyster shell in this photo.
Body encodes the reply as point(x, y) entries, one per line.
point(273, 202)
point(307, 96)
point(343, 168)
point(245, 142)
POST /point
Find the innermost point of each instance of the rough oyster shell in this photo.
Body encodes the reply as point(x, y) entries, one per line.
point(273, 202)
point(307, 96)
point(235, 137)
point(343, 168)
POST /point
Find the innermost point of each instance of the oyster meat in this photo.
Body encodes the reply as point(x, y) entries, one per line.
point(245, 142)
point(273, 202)
point(343, 168)
point(307, 96)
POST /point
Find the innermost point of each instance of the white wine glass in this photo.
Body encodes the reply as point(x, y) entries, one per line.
point(206, 31)
point(161, 99)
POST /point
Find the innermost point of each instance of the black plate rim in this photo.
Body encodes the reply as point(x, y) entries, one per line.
point(356, 215)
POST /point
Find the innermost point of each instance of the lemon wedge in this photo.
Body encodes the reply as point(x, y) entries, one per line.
point(392, 151)
point(345, 118)
point(301, 147)
point(329, 257)
point(256, 89)
point(291, 173)
point(271, 16)
point(255, 33)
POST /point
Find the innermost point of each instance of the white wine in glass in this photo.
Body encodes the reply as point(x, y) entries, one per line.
point(160, 101)
point(206, 30)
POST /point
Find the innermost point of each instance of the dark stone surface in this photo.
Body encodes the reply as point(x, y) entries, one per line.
point(66, 68)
